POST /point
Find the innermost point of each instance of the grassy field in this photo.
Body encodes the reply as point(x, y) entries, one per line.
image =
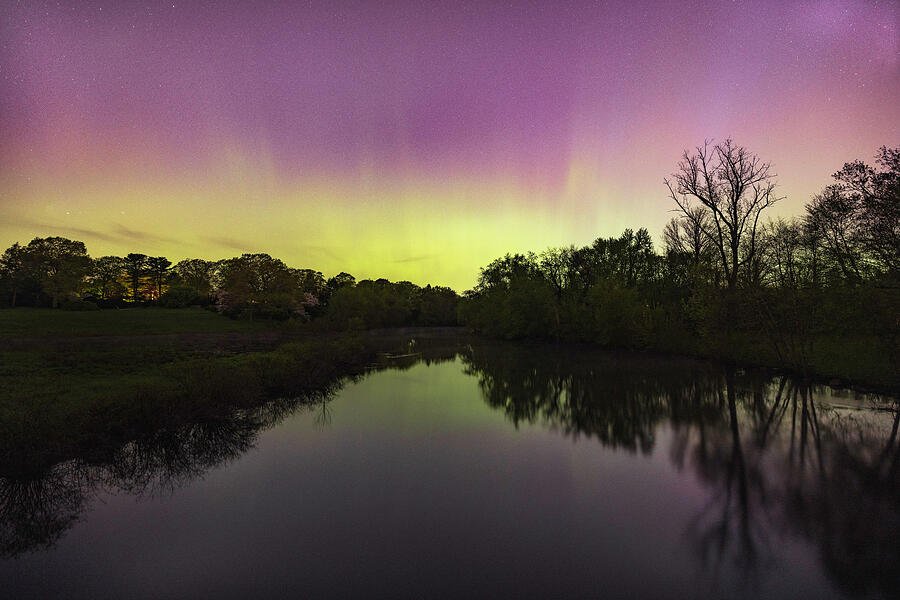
point(76, 383)
point(65, 401)
point(48, 355)
point(43, 322)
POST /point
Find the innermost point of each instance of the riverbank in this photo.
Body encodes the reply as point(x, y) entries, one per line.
point(82, 384)
point(71, 386)
point(86, 407)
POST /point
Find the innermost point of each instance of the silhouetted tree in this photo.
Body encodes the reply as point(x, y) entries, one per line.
point(311, 282)
point(859, 217)
point(735, 186)
point(835, 217)
point(341, 280)
point(136, 268)
point(196, 274)
point(13, 271)
point(58, 264)
point(158, 269)
point(257, 284)
point(106, 272)
point(686, 235)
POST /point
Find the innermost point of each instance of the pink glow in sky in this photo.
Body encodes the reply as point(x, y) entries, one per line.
point(416, 140)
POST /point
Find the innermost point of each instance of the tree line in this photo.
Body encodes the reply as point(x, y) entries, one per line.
point(728, 281)
point(58, 272)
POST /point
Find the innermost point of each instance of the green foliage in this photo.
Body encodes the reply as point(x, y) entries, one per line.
point(196, 274)
point(728, 284)
point(180, 296)
point(136, 269)
point(105, 280)
point(375, 304)
point(619, 317)
point(258, 286)
point(57, 265)
point(77, 304)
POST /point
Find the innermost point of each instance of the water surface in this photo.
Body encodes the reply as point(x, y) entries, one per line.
point(513, 471)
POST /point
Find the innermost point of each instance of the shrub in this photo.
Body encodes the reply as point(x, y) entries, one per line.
point(78, 304)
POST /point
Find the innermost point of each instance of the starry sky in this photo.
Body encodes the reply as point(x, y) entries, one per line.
point(416, 140)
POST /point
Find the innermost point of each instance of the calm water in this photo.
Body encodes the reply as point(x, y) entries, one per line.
point(506, 471)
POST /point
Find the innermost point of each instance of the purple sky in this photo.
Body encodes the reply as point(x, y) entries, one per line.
point(555, 122)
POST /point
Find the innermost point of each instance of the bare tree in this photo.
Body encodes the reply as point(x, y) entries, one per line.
point(837, 218)
point(735, 186)
point(685, 235)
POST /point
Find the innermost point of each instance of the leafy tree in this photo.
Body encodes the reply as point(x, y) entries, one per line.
point(105, 274)
point(158, 270)
point(58, 264)
point(258, 285)
point(437, 306)
point(341, 280)
point(136, 269)
point(196, 274)
point(836, 218)
point(870, 203)
point(13, 270)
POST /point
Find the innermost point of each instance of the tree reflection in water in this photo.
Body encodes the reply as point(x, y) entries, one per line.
point(777, 461)
point(779, 458)
point(37, 509)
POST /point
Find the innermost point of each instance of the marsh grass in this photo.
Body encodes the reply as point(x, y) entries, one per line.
point(43, 322)
point(70, 403)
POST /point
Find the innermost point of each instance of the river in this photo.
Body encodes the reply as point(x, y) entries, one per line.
point(486, 470)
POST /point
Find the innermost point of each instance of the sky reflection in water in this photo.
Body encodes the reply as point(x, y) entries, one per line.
point(502, 470)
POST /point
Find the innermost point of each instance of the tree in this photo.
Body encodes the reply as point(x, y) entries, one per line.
point(341, 280)
point(503, 271)
point(876, 193)
point(835, 217)
point(196, 274)
point(311, 282)
point(158, 269)
point(257, 284)
point(135, 267)
point(858, 218)
point(13, 269)
point(735, 186)
point(685, 235)
point(58, 264)
point(107, 270)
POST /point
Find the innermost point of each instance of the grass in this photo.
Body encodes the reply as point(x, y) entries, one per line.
point(72, 379)
point(44, 322)
point(52, 411)
point(861, 361)
point(75, 384)
point(50, 354)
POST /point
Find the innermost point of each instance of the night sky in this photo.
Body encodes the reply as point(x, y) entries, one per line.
point(411, 140)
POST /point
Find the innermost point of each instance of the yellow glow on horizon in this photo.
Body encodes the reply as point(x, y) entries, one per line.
point(405, 228)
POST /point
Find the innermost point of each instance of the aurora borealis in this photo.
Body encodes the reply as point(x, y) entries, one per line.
point(410, 140)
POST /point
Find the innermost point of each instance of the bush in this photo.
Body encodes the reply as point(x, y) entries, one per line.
point(181, 296)
point(79, 305)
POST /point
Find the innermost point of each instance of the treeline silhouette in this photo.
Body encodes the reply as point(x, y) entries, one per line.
point(806, 292)
point(58, 272)
point(819, 293)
